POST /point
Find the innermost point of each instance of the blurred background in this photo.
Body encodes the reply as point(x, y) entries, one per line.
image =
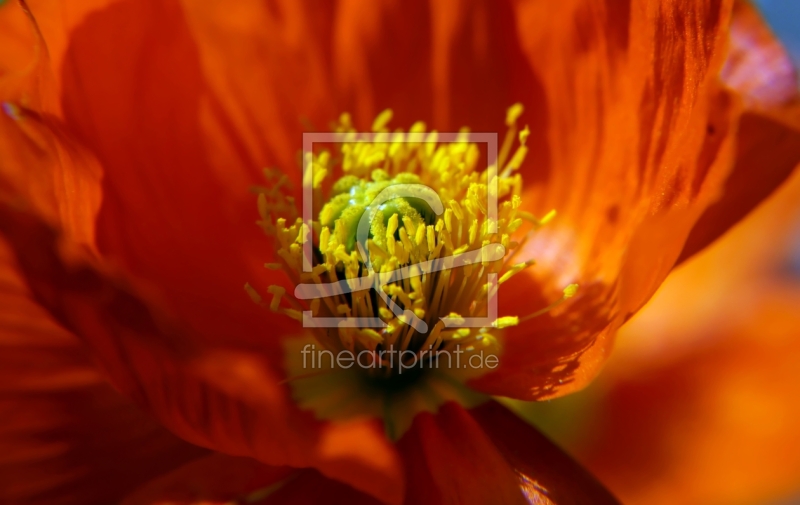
point(700, 402)
point(784, 18)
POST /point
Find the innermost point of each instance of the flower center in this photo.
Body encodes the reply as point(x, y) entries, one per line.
point(400, 267)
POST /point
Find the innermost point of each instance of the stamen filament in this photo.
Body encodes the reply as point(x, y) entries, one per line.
point(569, 292)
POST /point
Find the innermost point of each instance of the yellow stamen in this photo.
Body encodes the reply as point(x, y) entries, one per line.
point(277, 293)
point(569, 292)
point(403, 237)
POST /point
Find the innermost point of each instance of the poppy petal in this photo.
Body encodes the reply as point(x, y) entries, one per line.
point(487, 455)
point(65, 435)
point(677, 417)
point(179, 187)
point(225, 400)
point(767, 153)
point(640, 147)
point(52, 22)
point(429, 61)
point(217, 478)
point(18, 42)
point(448, 457)
point(242, 409)
point(269, 66)
point(177, 210)
point(43, 167)
point(703, 381)
point(768, 147)
point(540, 463)
point(225, 479)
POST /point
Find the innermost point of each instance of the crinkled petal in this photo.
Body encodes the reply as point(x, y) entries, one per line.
point(644, 142)
point(768, 145)
point(703, 381)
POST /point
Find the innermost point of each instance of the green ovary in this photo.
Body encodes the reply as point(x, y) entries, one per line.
point(351, 197)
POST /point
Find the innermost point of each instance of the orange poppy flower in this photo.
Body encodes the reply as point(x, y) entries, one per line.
point(132, 131)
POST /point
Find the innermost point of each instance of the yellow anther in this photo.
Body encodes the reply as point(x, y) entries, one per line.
point(431, 237)
point(569, 292)
point(419, 237)
point(382, 120)
point(448, 220)
point(504, 322)
point(515, 270)
point(319, 176)
point(524, 134)
point(405, 240)
point(457, 209)
point(513, 113)
point(277, 293)
point(473, 231)
point(371, 335)
point(455, 318)
point(409, 225)
point(341, 254)
point(392, 226)
point(308, 174)
point(324, 238)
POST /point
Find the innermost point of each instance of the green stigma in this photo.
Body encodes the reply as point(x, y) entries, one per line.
point(352, 196)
